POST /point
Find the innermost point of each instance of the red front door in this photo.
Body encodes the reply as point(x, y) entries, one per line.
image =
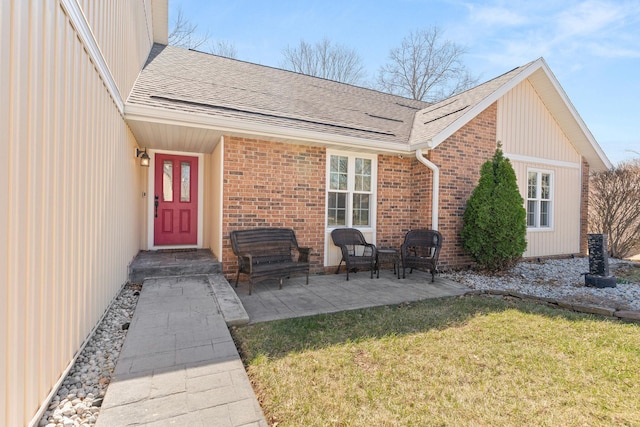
point(176, 200)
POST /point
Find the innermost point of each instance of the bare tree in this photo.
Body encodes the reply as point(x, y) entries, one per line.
point(425, 68)
point(614, 206)
point(333, 62)
point(223, 48)
point(184, 33)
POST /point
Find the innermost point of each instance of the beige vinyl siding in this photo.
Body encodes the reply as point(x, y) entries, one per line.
point(526, 128)
point(70, 188)
point(333, 253)
point(564, 235)
point(214, 183)
point(123, 44)
point(532, 139)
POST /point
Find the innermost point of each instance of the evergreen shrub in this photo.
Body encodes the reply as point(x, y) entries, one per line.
point(494, 230)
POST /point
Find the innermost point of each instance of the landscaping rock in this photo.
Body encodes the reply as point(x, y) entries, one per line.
point(75, 403)
point(628, 315)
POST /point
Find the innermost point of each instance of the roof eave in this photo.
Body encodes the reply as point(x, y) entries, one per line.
point(136, 112)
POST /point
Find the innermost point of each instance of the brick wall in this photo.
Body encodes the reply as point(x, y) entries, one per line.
point(460, 158)
point(272, 184)
point(396, 205)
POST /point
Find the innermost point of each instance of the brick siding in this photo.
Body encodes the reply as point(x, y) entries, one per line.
point(274, 184)
point(397, 208)
point(460, 158)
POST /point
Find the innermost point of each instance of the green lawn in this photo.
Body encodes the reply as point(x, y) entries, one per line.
point(457, 361)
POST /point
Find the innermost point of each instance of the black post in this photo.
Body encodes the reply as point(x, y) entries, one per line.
point(598, 275)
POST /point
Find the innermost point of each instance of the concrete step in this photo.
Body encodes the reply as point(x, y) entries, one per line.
point(168, 263)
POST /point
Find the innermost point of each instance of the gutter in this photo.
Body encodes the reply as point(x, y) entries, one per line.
point(435, 193)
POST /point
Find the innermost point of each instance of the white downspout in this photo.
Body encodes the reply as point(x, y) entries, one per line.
point(435, 193)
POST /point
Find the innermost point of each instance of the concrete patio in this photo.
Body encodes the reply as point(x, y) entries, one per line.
point(331, 293)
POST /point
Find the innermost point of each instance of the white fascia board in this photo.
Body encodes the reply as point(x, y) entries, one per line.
point(480, 107)
point(160, 115)
point(542, 161)
point(79, 22)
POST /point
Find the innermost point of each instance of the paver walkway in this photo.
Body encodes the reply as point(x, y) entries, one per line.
point(179, 365)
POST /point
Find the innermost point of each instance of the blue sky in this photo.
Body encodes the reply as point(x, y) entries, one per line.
point(592, 47)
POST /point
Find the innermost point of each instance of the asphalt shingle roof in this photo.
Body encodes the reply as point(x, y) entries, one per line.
point(184, 81)
point(190, 81)
point(433, 119)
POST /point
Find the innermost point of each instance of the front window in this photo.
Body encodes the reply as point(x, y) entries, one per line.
point(539, 199)
point(350, 191)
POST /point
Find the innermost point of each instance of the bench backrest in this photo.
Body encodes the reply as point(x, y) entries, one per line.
point(265, 244)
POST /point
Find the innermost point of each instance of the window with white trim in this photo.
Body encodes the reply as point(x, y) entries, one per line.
point(539, 199)
point(350, 190)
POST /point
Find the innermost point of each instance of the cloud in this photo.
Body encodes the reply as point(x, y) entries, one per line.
point(574, 32)
point(600, 29)
point(588, 18)
point(495, 16)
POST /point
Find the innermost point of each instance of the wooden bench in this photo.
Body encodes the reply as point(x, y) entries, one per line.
point(269, 253)
point(420, 250)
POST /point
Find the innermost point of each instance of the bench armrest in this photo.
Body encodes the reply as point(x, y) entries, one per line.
point(246, 261)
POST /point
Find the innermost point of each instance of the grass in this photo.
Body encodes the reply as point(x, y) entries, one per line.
point(455, 361)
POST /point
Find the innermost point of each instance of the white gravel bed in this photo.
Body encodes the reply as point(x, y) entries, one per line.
point(560, 279)
point(78, 400)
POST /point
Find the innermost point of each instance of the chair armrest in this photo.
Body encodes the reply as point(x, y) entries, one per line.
point(303, 254)
point(345, 251)
point(373, 248)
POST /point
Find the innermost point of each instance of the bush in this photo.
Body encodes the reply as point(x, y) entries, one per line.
point(494, 230)
point(614, 208)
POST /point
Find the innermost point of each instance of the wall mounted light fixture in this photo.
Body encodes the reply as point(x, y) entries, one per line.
point(144, 157)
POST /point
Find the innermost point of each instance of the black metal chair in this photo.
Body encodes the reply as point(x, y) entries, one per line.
point(420, 250)
point(356, 252)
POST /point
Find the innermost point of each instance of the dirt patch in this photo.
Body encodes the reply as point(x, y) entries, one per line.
point(628, 273)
